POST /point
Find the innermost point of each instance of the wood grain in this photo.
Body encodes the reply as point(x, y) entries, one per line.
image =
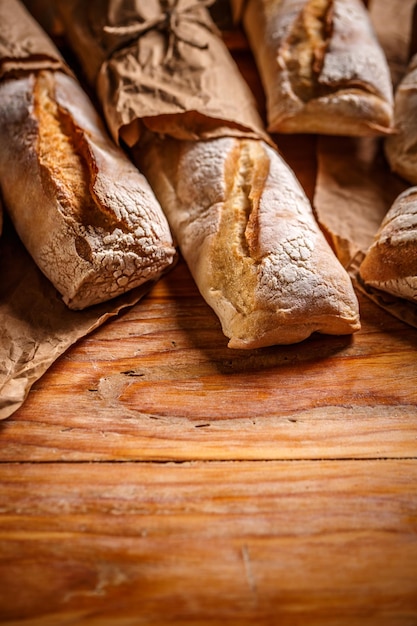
point(209, 543)
point(159, 383)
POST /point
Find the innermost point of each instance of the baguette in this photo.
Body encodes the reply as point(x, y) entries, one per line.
point(390, 264)
point(401, 147)
point(86, 215)
point(249, 237)
point(322, 68)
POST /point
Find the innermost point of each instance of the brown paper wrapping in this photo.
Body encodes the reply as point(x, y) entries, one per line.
point(354, 190)
point(354, 187)
point(22, 47)
point(35, 325)
point(160, 65)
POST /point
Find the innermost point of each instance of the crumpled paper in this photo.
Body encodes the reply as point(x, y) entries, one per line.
point(24, 49)
point(354, 186)
point(160, 65)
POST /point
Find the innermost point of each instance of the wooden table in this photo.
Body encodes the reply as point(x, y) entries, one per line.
point(156, 477)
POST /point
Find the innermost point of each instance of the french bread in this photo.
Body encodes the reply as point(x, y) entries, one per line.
point(401, 147)
point(249, 236)
point(86, 215)
point(321, 66)
point(390, 264)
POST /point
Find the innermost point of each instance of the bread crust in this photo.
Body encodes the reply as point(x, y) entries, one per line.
point(249, 237)
point(401, 147)
point(321, 65)
point(390, 264)
point(86, 215)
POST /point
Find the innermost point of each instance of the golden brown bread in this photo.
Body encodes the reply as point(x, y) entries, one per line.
point(321, 65)
point(248, 234)
point(401, 147)
point(88, 218)
point(391, 262)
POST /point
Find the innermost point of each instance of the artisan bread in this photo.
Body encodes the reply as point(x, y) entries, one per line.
point(390, 264)
point(401, 147)
point(86, 215)
point(248, 234)
point(322, 68)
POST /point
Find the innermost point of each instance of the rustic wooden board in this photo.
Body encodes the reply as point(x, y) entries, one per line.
point(288, 543)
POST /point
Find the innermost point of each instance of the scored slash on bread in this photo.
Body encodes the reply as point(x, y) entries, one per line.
point(248, 234)
point(322, 67)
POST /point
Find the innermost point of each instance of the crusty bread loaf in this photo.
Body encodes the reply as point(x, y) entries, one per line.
point(321, 65)
point(248, 234)
point(86, 215)
point(391, 262)
point(401, 147)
